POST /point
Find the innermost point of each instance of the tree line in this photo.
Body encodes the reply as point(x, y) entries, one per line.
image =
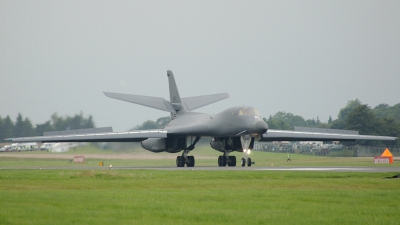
point(383, 120)
point(24, 127)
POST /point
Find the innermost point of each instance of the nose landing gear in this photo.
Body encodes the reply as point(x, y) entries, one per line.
point(246, 140)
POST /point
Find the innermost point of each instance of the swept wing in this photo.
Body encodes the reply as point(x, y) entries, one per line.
point(129, 136)
point(287, 135)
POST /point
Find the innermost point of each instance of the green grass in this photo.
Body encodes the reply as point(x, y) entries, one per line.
point(197, 197)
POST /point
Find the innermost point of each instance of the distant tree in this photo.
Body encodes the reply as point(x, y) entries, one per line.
point(289, 118)
point(149, 124)
point(45, 127)
point(163, 121)
point(311, 123)
point(340, 122)
point(18, 129)
point(8, 127)
point(23, 128)
point(1, 129)
point(70, 123)
point(386, 111)
point(344, 112)
point(388, 127)
point(278, 124)
point(330, 120)
point(362, 119)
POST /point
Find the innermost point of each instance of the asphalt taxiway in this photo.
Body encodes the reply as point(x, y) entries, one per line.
point(375, 169)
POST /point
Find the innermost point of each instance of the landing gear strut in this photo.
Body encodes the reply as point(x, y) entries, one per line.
point(246, 140)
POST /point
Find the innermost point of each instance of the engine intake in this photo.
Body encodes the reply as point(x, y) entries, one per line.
point(228, 144)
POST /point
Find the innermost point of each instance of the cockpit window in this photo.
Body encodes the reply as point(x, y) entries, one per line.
point(248, 112)
point(256, 112)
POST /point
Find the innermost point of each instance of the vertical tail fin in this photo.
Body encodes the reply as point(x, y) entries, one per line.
point(175, 99)
point(173, 89)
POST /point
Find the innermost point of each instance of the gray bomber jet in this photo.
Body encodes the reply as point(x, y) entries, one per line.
point(234, 129)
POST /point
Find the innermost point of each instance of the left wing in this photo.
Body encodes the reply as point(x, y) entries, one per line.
point(129, 136)
point(329, 135)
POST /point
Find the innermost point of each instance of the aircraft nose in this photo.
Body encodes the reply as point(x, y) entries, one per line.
point(260, 127)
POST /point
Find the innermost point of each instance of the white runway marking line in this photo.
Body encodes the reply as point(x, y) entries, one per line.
point(314, 169)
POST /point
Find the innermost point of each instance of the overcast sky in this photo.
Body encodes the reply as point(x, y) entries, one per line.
point(304, 57)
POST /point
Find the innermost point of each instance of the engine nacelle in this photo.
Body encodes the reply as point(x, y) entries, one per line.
point(154, 144)
point(171, 144)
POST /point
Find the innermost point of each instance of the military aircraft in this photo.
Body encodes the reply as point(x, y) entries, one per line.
point(234, 129)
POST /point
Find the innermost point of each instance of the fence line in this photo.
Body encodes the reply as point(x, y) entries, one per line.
point(320, 149)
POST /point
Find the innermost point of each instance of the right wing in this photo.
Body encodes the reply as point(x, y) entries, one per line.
point(288, 135)
point(129, 136)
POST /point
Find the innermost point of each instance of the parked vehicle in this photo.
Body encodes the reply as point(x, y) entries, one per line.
point(28, 146)
point(46, 146)
point(14, 147)
point(4, 148)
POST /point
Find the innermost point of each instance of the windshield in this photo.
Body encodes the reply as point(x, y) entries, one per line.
point(248, 112)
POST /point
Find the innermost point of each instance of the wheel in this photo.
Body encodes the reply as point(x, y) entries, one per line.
point(180, 161)
point(249, 162)
point(191, 161)
point(232, 161)
point(243, 162)
point(221, 160)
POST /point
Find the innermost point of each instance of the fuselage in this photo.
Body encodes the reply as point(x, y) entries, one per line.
point(231, 122)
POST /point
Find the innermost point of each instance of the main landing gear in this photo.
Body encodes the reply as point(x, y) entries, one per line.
point(183, 160)
point(225, 159)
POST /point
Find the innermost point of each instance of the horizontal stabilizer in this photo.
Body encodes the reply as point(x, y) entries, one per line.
point(196, 102)
point(152, 102)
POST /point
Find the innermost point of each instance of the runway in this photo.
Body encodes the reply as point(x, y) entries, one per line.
point(200, 168)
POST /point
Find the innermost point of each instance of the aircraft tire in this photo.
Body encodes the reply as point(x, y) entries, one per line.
point(249, 162)
point(221, 160)
point(243, 162)
point(191, 161)
point(232, 161)
point(180, 161)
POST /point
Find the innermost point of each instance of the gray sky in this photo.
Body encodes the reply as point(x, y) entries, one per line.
point(304, 57)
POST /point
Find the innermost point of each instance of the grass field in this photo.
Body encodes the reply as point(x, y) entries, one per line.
point(191, 196)
point(197, 197)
